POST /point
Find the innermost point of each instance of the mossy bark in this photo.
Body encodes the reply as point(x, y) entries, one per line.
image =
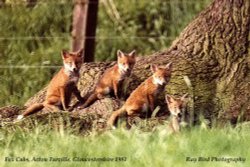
point(212, 51)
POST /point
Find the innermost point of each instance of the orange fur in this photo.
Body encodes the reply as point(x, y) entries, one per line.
point(143, 97)
point(62, 85)
point(176, 107)
point(113, 78)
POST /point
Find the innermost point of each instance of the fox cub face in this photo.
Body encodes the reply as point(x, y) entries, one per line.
point(161, 75)
point(125, 62)
point(72, 60)
point(176, 105)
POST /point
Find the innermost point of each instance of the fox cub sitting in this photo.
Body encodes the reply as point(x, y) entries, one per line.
point(143, 97)
point(176, 107)
point(62, 85)
point(112, 78)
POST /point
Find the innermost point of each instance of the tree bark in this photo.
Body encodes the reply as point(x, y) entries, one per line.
point(212, 51)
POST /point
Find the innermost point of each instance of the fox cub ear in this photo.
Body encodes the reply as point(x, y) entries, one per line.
point(120, 54)
point(132, 54)
point(184, 97)
point(80, 52)
point(153, 68)
point(64, 54)
point(169, 99)
point(169, 66)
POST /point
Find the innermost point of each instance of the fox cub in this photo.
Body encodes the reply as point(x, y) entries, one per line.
point(112, 78)
point(62, 85)
point(143, 97)
point(176, 107)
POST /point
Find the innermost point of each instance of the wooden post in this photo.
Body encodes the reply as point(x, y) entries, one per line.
point(2, 2)
point(31, 3)
point(91, 31)
point(84, 27)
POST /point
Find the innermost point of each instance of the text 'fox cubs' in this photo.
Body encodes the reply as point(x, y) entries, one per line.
point(143, 97)
point(62, 85)
point(113, 78)
point(176, 107)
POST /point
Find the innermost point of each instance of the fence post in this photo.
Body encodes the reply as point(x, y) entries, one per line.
point(2, 2)
point(84, 25)
point(31, 3)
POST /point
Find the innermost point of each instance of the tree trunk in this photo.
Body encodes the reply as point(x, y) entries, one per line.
point(212, 51)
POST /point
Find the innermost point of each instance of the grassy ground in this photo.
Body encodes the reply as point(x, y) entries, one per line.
point(126, 148)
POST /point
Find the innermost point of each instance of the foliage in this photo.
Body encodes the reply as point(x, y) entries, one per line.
point(155, 148)
point(147, 26)
point(18, 21)
point(31, 38)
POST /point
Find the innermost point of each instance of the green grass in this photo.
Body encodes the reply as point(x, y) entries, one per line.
point(139, 148)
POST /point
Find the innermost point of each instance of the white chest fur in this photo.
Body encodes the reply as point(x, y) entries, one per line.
point(107, 90)
point(73, 77)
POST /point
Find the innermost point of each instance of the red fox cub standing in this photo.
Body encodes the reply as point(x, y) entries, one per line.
point(176, 107)
point(113, 78)
point(143, 97)
point(61, 86)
